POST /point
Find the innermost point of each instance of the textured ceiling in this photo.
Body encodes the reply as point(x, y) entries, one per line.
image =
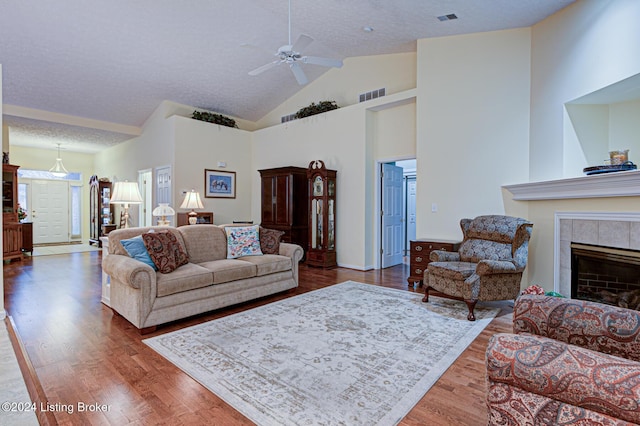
point(116, 60)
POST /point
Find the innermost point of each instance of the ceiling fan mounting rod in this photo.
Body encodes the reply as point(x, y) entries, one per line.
point(289, 22)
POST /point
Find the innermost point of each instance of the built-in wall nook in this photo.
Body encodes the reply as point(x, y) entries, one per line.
point(602, 121)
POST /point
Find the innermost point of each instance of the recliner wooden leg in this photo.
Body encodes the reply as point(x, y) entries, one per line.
point(471, 304)
point(426, 294)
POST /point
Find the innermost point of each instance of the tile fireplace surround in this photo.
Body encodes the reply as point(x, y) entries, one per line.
point(618, 230)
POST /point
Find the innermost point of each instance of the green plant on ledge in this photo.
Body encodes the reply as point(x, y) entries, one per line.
point(211, 117)
point(316, 108)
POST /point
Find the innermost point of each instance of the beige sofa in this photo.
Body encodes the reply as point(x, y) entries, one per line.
point(208, 281)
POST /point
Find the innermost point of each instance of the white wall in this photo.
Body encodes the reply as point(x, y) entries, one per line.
point(199, 146)
point(472, 126)
point(396, 73)
point(585, 47)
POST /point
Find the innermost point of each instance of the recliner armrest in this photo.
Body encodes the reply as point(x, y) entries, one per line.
point(566, 373)
point(444, 256)
point(604, 328)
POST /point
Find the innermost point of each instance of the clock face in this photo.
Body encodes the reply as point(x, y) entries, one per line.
point(318, 187)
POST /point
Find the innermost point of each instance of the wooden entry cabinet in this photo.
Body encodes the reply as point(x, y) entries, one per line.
point(284, 195)
point(11, 228)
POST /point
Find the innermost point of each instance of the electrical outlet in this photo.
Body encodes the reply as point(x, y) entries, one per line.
point(434, 207)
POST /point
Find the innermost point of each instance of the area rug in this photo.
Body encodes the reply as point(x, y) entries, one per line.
point(349, 354)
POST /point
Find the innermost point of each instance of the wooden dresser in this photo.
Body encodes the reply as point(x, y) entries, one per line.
point(420, 251)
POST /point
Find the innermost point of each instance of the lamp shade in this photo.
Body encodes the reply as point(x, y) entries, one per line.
point(192, 201)
point(58, 169)
point(163, 209)
point(126, 193)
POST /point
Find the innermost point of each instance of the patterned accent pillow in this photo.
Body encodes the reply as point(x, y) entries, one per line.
point(165, 251)
point(270, 240)
point(242, 241)
point(136, 250)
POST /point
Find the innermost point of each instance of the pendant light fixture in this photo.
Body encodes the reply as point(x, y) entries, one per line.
point(58, 169)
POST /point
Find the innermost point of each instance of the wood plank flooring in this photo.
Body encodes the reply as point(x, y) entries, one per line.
point(82, 353)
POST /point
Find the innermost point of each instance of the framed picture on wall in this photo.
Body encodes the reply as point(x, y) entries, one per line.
point(219, 184)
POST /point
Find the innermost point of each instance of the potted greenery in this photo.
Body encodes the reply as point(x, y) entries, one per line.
point(316, 108)
point(211, 117)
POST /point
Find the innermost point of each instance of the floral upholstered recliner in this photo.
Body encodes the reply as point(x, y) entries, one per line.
point(572, 362)
point(488, 265)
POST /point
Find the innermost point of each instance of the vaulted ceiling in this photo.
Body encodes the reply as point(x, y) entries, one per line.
point(110, 63)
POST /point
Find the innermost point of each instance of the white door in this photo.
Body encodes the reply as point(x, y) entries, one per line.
point(163, 187)
point(145, 209)
point(411, 212)
point(392, 215)
point(50, 211)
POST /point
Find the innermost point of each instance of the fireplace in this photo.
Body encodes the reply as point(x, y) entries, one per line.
point(606, 275)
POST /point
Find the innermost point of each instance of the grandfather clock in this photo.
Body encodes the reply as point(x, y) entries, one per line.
point(322, 215)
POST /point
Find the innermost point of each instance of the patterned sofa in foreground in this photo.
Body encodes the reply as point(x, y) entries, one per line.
point(571, 362)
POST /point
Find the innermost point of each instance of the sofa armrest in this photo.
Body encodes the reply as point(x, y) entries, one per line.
point(294, 251)
point(595, 326)
point(486, 267)
point(444, 256)
point(128, 270)
point(566, 373)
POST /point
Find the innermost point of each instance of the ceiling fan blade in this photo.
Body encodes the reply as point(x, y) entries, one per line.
point(265, 67)
point(325, 62)
point(298, 73)
point(302, 42)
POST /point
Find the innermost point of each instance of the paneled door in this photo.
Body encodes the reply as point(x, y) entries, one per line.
point(392, 215)
point(50, 211)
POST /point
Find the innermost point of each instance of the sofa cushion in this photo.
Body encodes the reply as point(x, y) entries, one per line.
point(226, 270)
point(242, 241)
point(136, 249)
point(165, 251)
point(204, 243)
point(269, 263)
point(187, 277)
point(270, 240)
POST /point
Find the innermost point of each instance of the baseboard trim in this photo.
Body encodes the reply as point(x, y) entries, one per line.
point(34, 387)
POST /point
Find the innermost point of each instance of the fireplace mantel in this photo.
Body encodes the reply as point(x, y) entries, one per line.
point(618, 184)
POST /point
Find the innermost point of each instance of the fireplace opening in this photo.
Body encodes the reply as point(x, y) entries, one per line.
point(606, 275)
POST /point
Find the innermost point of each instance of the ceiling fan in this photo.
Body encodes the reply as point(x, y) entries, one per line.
point(290, 54)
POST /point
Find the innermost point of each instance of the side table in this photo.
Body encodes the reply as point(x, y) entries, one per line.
point(419, 257)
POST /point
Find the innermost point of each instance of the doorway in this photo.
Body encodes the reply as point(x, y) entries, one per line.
point(397, 208)
point(146, 190)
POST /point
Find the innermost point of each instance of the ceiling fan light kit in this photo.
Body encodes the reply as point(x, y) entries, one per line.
point(290, 54)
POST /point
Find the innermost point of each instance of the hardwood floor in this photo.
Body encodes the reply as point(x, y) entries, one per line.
point(82, 353)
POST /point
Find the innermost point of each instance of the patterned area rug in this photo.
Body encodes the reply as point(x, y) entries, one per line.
point(349, 354)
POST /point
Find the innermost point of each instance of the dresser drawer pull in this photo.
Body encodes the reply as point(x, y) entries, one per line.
point(418, 271)
point(430, 246)
point(418, 248)
point(419, 259)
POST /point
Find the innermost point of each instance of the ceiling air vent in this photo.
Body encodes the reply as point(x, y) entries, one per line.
point(372, 94)
point(448, 17)
point(286, 118)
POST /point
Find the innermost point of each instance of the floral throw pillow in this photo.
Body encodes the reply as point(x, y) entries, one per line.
point(242, 241)
point(270, 240)
point(165, 251)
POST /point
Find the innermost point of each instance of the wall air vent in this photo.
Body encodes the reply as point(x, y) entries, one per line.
point(372, 95)
point(286, 118)
point(448, 17)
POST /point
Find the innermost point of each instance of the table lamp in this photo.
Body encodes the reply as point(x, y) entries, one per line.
point(125, 193)
point(192, 201)
point(163, 210)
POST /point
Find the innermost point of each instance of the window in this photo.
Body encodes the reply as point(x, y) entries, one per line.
point(76, 212)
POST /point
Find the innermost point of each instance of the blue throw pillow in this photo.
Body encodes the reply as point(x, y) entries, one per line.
point(137, 250)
